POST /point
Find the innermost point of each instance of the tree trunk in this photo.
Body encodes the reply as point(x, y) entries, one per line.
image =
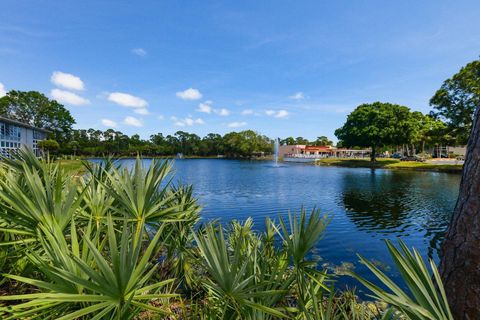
point(460, 262)
point(373, 154)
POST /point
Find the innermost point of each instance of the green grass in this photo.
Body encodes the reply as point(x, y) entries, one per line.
point(72, 166)
point(390, 164)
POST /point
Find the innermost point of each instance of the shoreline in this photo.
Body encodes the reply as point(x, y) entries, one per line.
point(392, 164)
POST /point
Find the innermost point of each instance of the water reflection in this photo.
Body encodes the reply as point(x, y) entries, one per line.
point(377, 204)
point(401, 204)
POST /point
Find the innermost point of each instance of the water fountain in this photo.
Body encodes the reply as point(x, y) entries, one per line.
point(276, 147)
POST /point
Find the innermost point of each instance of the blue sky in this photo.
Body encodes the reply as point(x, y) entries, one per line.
point(283, 68)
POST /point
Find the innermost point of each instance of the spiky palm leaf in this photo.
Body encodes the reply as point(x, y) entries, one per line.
point(113, 283)
point(427, 299)
point(232, 285)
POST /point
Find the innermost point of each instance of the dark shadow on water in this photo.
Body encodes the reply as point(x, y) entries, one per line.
point(399, 204)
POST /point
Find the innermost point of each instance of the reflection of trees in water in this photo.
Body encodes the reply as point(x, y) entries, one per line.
point(401, 203)
point(377, 203)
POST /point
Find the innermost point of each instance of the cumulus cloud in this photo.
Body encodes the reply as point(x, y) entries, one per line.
point(277, 114)
point(237, 124)
point(132, 121)
point(189, 94)
point(282, 114)
point(161, 117)
point(3, 91)
point(139, 52)
point(109, 123)
point(142, 111)
point(186, 122)
point(247, 112)
point(127, 100)
point(68, 97)
point(222, 112)
point(205, 107)
point(297, 96)
point(67, 80)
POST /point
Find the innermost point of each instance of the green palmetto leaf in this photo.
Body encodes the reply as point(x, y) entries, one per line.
point(426, 299)
point(239, 281)
point(145, 194)
point(30, 196)
point(116, 282)
point(299, 237)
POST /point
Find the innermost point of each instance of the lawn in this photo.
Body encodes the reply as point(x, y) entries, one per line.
point(73, 166)
point(390, 164)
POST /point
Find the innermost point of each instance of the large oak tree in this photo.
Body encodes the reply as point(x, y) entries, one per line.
point(36, 109)
point(376, 125)
point(456, 100)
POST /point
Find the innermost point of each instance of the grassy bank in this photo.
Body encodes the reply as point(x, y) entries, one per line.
point(390, 164)
point(72, 166)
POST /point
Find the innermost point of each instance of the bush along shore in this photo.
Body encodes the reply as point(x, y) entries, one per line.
point(121, 243)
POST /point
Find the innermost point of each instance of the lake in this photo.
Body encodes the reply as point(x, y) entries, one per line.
point(366, 205)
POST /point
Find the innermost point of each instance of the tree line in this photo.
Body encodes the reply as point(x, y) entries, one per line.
point(241, 144)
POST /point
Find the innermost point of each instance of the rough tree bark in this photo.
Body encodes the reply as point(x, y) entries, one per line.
point(460, 262)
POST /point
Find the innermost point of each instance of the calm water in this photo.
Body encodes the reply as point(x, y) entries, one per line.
point(366, 205)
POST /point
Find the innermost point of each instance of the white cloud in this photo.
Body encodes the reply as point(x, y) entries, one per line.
point(189, 94)
point(282, 114)
point(186, 121)
point(205, 107)
point(127, 100)
point(3, 91)
point(277, 114)
point(139, 52)
point(298, 96)
point(109, 123)
point(68, 97)
point(132, 121)
point(222, 112)
point(237, 124)
point(142, 111)
point(67, 80)
point(161, 117)
point(247, 112)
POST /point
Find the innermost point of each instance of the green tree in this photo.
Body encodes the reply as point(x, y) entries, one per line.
point(288, 141)
point(375, 125)
point(48, 145)
point(212, 144)
point(246, 144)
point(301, 140)
point(455, 102)
point(322, 141)
point(74, 146)
point(36, 109)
